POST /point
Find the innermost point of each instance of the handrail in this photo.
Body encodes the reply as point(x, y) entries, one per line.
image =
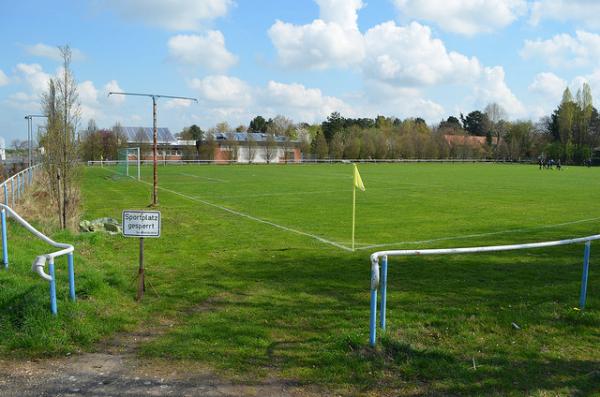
point(39, 263)
point(379, 281)
point(40, 260)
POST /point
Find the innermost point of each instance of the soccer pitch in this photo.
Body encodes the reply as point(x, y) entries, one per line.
point(414, 205)
point(254, 274)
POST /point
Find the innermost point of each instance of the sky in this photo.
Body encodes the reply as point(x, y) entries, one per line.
point(303, 59)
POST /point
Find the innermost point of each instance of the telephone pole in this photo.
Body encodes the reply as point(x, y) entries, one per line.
point(154, 134)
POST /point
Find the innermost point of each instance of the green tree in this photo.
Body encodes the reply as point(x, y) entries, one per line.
point(320, 147)
point(258, 124)
point(334, 124)
point(566, 117)
point(476, 123)
point(336, 147)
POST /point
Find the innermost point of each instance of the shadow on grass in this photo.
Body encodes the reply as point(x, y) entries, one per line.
point(305, 316)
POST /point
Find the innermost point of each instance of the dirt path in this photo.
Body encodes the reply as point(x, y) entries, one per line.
point(117, 371)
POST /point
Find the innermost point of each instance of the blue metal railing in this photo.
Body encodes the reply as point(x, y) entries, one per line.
point(379, 278)
point(17, 185)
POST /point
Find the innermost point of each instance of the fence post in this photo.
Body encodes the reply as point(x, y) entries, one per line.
point(12, 191)
point(53, 308)
point(5, 194)
point(384, 268)
point(71, 277)
point(373, 319)
point(4, 240)
point(584, 276)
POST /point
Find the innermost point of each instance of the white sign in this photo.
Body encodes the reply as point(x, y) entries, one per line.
point(141, 223)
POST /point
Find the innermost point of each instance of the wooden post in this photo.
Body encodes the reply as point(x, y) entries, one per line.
point(141, 284)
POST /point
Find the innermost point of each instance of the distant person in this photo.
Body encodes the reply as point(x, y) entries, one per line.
point(541, 163)
point(558, 165)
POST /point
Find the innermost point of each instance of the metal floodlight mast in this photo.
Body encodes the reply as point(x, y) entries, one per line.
point(29, 118)
point(154, 134)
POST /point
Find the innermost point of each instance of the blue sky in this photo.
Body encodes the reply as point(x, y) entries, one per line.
point(301, 58)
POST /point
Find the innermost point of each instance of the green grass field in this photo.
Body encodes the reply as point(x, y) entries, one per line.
point(254, 276)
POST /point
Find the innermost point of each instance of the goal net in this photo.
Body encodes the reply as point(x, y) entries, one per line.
point(128, 163)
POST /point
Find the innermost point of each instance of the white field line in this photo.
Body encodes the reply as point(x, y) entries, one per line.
point(467, 236)
point(253, 218)
point(205, 177)
point(287, 193)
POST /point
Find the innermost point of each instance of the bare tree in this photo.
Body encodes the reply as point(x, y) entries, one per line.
point(251, 148)
point(233, 145)
point(270, 148)
point(61, 106)
point(495, 114)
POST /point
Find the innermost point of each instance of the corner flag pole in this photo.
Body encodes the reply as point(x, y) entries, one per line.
point(356, 183)
point(353, 209)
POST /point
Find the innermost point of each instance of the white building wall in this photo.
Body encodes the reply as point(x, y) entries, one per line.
point(260, 155)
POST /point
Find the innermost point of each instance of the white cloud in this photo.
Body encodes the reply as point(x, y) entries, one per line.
point(384, 98)
point(467, 17)
point(493, 88)
point(34, 76)
point(221, 89)
point(52, 52)
point(172, 14)
point(301, 103)
point(87, 92)
point(409, 55)
point(341, 12)
point(207, 51)
point(178, 103)
point(3, 78)
point(548, 86)
point(564, 49)
point(113, 86)
point(331, 41)
point(584, 12)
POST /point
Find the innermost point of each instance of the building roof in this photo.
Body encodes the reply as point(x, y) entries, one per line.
point(133, 135)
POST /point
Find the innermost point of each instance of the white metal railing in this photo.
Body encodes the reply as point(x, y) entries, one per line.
point(17, 184)
point(379, 281)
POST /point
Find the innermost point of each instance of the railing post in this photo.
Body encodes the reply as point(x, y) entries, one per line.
point(12, 191)
point(4, 240)
point(71, 277)
point(384, 267)
point(373, 319)
point(53, 307)
point(584, 276)
point(5, 188)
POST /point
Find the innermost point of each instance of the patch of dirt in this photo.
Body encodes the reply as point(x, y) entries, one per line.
point(116, 370)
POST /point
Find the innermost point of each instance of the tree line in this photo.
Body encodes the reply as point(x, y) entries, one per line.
point(570, 134)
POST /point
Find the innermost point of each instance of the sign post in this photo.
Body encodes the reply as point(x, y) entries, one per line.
point(141, 224)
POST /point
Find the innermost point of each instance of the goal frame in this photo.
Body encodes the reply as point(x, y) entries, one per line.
point(136, 151)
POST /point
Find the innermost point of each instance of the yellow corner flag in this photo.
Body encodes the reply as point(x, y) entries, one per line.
point(357, 179)
point(356, 183)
